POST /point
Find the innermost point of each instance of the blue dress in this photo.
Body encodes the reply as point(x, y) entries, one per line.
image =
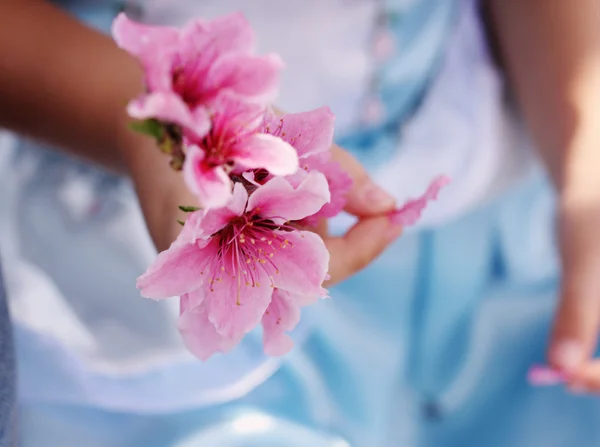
point(8, 407)
point(427, 347)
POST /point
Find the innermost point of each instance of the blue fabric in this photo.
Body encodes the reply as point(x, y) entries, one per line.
point(7, 375)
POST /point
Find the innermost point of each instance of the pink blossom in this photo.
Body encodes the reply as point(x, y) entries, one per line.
point(311, 134)
point(283, 314)
point(242, 264)
point(338, 180)
point(185, 70)
point(544, 376)
point(233, 145)
point(199, 334)
point(410, 212)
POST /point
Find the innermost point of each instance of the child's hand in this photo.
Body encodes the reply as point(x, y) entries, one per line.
point(577, 324)
point(373, 231)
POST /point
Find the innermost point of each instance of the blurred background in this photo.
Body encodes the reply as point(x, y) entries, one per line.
point(428, 347)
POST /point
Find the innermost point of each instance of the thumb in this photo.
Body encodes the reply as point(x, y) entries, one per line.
point(577, 320)
point(365, 198)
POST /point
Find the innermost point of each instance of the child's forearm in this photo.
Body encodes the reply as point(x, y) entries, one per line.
point(551, 50)
point(68, 85)
point(64, 83)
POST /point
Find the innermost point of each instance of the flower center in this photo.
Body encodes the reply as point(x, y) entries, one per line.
point(247, 248)
point(261, 175)
point(185, 85)
point(279, 131)
point(217, 150)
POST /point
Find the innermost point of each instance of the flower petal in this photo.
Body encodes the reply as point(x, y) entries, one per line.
point(302, 263)
point(234, 306)
point(268, 152)
point(202, 224)
point(200, 125)
point(169, 108)
point(283, 314)
point(338, 180)
point(279, 200)
point(199, 335)
point(177, 270)
point(410, 212)
point(233, 116)
point(206, 41)
point(211, 185)
point(309, 132)
point(231, 33)
point(253, 77)
point(154, 46)
point(192, 230)
point(139, 39)
point(215, 219)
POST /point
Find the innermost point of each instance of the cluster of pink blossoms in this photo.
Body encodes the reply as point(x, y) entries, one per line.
point(242, 259)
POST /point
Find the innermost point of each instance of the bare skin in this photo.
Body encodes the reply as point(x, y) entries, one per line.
point(551, 49)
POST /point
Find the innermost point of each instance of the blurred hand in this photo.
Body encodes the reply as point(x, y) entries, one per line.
point(575, 334)
point(558, 94)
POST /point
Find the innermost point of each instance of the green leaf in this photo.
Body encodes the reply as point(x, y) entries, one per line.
point(181, 222)
point(188, 209)
point(149, 127)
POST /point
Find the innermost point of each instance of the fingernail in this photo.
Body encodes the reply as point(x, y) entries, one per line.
point(568, 354)
point(544, 376)
point(376, 197)
point(394, 232)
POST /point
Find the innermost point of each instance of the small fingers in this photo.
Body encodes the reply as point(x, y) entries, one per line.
point(362, 244)
point(365, 198)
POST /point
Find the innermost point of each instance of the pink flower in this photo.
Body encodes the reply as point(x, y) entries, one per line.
point(311, 134)
point(186, 69)
point(233, 145)
point(410, 212)
point(242, 264)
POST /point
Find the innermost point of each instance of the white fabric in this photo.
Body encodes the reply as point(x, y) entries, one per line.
point(464, 129)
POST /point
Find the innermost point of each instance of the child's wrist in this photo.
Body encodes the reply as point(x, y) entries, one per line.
point(579, 168)
point(159, 188)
